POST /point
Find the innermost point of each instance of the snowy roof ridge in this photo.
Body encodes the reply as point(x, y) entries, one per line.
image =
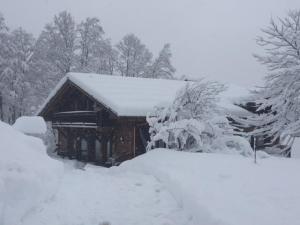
point(133, 96)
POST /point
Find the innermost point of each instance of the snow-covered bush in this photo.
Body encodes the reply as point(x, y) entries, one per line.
point(194, 122)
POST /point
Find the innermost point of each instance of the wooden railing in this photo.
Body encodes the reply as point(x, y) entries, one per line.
point(85, 119)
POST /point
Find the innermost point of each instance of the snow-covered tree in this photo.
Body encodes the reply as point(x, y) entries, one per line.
point(53, 57)
point(193, 122)
point(106, 58)
point(162, 66)
point(4, 52)
point(58, 39)
point(134, 58)
point(279, 100)
point(14, 84)
point(90, 37)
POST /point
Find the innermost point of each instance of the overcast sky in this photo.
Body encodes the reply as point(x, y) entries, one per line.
point(209, 38)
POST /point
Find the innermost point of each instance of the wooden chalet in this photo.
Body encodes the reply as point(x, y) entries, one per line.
point(102, 118)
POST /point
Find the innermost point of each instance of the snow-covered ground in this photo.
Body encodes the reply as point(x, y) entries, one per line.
point(227, 189)
point(96, 195)
point(161, 187)
point(36, 189)
point(28, 177)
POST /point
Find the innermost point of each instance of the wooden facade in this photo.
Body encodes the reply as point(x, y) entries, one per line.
point(89, 131)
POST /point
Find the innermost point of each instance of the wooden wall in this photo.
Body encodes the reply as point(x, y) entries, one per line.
point(124, 138)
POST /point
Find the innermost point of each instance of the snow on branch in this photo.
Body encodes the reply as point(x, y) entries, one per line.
point(195, 122)
point(280, 98)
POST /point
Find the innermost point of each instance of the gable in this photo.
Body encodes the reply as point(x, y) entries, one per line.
point(70, 97)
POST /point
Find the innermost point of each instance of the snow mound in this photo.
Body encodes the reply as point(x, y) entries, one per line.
point(31, 125)
point(226, 189)
point(27, 175)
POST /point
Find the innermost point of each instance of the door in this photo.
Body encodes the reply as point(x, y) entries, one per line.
point(98, 151)
point(84, 149)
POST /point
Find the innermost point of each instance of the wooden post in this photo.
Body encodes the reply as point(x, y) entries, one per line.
point(1, 107)
point(254, 148)
point(134, 141)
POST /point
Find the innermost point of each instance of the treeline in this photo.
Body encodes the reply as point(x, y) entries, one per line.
point(30, 68)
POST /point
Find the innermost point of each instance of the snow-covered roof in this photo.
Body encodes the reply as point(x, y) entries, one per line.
point(130, 96)
point(233, 96)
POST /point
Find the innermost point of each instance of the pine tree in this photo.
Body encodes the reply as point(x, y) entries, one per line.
point(162, 67)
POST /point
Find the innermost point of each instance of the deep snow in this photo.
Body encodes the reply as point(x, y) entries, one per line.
point(28, 176)
point(162, 187)
point(227, 189)
point(38, 190)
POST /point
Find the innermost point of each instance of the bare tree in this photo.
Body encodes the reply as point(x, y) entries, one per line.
point(106, 58)
point(90, 37)
point(134, 58)
point(58, 39)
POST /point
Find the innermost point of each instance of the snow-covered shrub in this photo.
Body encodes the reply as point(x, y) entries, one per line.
point(194, 122)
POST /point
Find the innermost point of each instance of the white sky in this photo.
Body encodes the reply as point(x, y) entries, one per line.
point(211, 38)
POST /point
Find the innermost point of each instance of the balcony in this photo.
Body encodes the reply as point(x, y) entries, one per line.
point(81, 119)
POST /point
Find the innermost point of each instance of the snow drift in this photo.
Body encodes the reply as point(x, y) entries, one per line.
point(227, 189)
point(27, 175)
point(161, 187)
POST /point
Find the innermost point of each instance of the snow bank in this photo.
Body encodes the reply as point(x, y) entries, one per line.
point(31, 125)
point(27, 175)
point(227, 189)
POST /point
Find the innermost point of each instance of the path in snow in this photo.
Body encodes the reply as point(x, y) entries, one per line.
point(95, 195)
